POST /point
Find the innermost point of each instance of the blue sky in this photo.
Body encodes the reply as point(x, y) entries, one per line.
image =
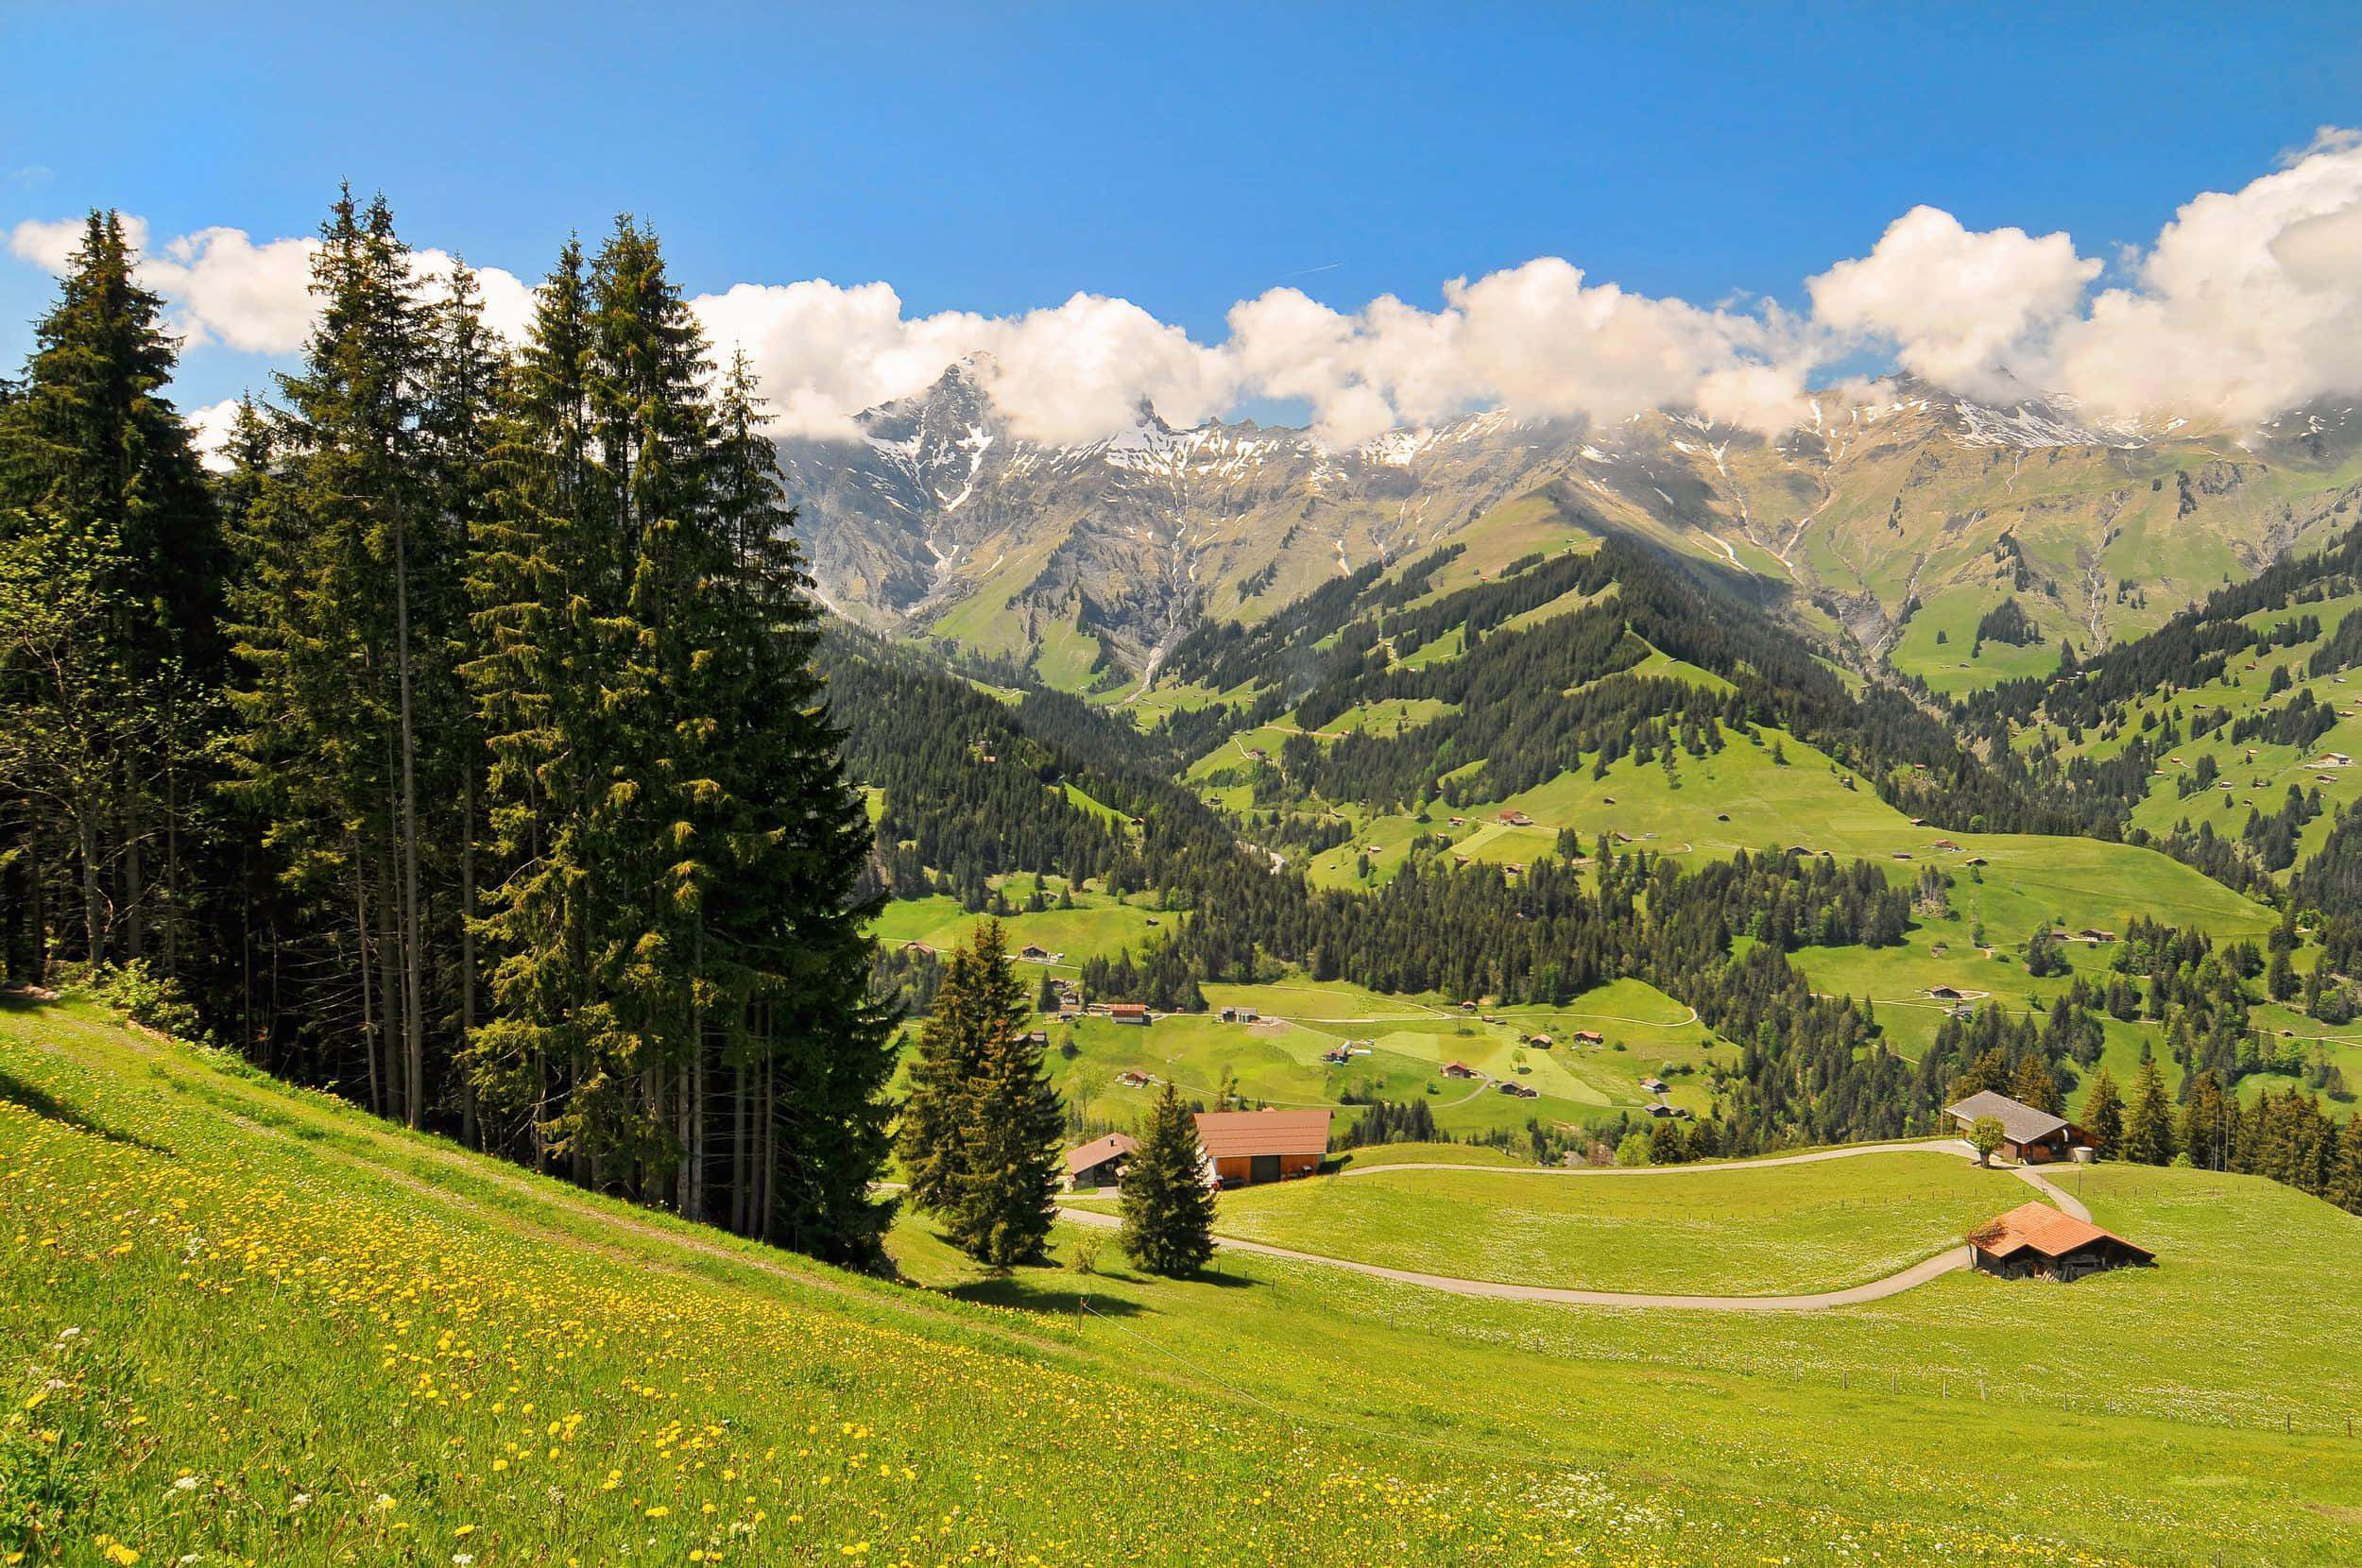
point(1182, 158)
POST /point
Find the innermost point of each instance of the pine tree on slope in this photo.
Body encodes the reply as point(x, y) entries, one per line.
point(1168, 1203)
point(2148, 1125)
point(2103, 1116)
point(1001, 1199)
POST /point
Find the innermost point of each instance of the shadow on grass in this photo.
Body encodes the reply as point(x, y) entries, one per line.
point(43, 1104)
point(1051, 1289)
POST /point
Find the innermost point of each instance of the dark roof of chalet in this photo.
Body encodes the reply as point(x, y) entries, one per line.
point(1230, 1135)
point(2020, 1122)
point(2039, 1228)
point(1099, 1152)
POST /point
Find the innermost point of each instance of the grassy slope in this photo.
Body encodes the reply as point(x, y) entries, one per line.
point(1735, 1231)
point(1278, 1061)
point(283, 1301)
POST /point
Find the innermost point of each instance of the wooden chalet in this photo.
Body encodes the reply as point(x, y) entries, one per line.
point(1515, 819)
point(1129, 1013)
point(2036, 1241)
point(1458, 1070)
point(1589, 1037)
point(1248, 1147)
point(2029, 1135)
point(1099, 1163)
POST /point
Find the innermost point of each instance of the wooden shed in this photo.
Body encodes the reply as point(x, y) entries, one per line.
point(1099, 1163)
point(2035, 1240)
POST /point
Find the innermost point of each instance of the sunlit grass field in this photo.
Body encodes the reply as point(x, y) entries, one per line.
point(300, 1336)
point(1721, 1230)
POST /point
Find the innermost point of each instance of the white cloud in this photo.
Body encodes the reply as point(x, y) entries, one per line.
point(1534, 339)
point(210, 428)
point(1967, 311)
point(1072, 374)
point(2247, 303)
point(222, 287)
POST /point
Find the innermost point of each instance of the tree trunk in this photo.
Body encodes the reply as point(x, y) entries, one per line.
point(389, 987)
point(470, 1133)
point(172, 862)
point(762, 1226)
point(134, 872)
point(368, 1025)
point(414, 1020)
point(737, 1150)
point(94, 928)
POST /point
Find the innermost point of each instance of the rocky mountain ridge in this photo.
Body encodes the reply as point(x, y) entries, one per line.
point(1896, 500)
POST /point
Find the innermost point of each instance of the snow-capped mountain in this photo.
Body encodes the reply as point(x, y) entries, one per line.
point(938, 519)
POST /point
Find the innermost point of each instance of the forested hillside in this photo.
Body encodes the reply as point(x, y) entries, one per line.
point(459, 748)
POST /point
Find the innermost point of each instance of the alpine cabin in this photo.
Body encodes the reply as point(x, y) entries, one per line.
point(1248, 1147)
point(2029, 1135)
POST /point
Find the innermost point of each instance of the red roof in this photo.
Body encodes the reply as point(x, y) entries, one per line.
point(1099, 1152)
point(1231, 1134)
point(2044, 1231)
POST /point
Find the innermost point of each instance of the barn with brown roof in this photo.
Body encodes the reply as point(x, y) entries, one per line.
point(1245, 1148)
point(1099, 1163)
point(2035, 1240)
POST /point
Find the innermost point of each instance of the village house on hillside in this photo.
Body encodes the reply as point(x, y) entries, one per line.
point(1248, 1147)
point(1129, 1012)
point(2036, 1240)
point(2029, 1135)
point(1099, 1163)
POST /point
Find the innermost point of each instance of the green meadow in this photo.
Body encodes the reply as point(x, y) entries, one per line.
point(1737, 1230)
point(359, 1344)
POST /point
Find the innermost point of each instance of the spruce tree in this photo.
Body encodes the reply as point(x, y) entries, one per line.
point(104, 764)
point(346, 608)
point(2033, 1086)
point(2205, 1123)
point(2103, 1116)
point(1167, 1202)
point(2148, 1125)
point(1001, 1199)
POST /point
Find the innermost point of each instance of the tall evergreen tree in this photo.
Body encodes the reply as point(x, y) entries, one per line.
point(1168, 1203)
point(2207, 1123)
point(2033, 1086)
point(1003, 1195)
point(2148, 1125)
point(676, 922)
point(341, 594)
point(2103, 1116)
point(103, 768)
point(973, 1008)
